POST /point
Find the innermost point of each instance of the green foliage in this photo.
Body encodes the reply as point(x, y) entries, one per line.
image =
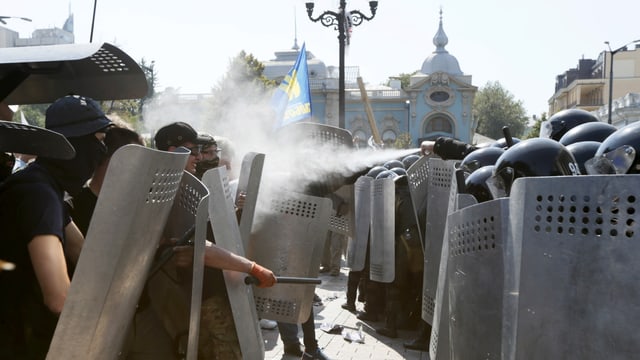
point(534, 131)
point(34, 114)
point(495, 107)
point(404, 78)
point(244, 80)
point(403, 141)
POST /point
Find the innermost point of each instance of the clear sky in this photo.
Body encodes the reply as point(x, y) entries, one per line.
point(521, 44)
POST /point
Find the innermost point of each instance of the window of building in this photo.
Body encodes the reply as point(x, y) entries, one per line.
point(359, 139)
point(439, 124)
point(389, 137)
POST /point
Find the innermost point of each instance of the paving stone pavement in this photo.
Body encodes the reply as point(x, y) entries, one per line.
point(376, 347)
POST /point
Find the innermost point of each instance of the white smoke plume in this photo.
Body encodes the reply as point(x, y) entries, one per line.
point(246, 123)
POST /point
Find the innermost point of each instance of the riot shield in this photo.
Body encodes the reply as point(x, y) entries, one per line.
point(133, 207)
point(227, 234)
point(440, 334)
point(382, 247)
point(572, 289)
point(249, 184)
point(357, 247)
point(417, 175)
point(440, 174)
point(169, 291)
point(343, 224)
point(34, 140)
point(476, 276)
point(288, 238)
point(319, 133)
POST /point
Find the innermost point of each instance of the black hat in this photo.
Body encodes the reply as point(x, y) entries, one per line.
point(75, 115)
point(176, 134)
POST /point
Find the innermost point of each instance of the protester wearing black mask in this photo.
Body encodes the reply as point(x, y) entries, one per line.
point(38, 235)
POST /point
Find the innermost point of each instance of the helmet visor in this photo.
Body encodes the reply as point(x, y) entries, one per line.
point(545, 129)
point(616, 161)
point(499, 184)
point(471, 166)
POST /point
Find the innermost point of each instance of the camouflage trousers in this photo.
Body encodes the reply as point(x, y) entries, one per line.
point(218, 337)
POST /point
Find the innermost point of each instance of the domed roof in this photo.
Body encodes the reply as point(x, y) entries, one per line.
point(440, 60)
point(284, 61)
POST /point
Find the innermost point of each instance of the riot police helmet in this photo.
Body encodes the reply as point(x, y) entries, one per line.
point(563, 121)
point(618, 152)
point(374, 171)
point(387, 174)
point(502, 142)
point(583, 151)
point(398, 170)
point(531, 157)
point(393, 164)
point(408, 160)
point(481, 157)
point(476, 183)
point(591, 131)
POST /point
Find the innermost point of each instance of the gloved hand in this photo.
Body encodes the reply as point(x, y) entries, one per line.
point(264, 275)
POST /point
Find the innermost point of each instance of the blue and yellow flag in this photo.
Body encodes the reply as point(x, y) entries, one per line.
point(292, 99)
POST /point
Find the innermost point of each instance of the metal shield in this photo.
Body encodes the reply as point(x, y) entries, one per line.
point(417, 175)
point(344, 224)
point(170, 299)
point(326, 135)
point(249, 184)
point(131, 212)
point(382, 246)
point(193, 197)
point(34, 140)
point(41, 74)
point(439, 178)
point(571, 285)
point(476, 276)
point(288, 237)
point(241, 298)
point(357, 247)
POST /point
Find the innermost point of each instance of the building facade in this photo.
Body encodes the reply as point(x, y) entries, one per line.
point(587, 87)
point(39, 37)
point(437, 102)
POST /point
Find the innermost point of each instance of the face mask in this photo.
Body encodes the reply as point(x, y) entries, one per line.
point(73, 174)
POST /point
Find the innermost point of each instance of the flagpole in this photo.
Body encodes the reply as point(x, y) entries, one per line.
point(337, 20)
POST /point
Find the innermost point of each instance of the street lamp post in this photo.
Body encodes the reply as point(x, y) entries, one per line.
point(339, 21)
point(613, 52)
point(3, 18)
point(407, 104)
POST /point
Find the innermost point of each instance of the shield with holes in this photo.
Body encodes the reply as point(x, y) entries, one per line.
point(249, 185)
point(319, 134)
point(440, 175)
point(34, 140)
point(417, 175)
point(131, 212)
point(227, 235)
point(476, 278)
point(288, 237)
point(571, 282)
point(171, 288)
point(357, 247)
point(439, 347)
point(382, 246)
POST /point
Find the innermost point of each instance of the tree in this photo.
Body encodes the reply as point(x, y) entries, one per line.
point(243, 83)
point(534, 132)
point(405, 79)
point(495, 107)
point(403, 141)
